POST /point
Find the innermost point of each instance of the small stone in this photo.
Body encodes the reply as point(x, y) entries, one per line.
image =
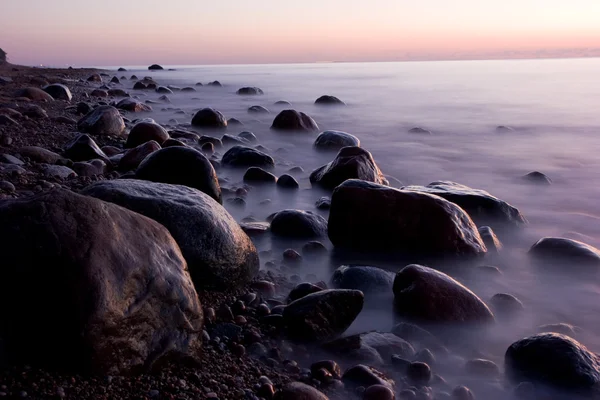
point(482, 368)
point(292, 257)
point(7, 186)
point(378, 392)
point(462, 393)
point(418, 373)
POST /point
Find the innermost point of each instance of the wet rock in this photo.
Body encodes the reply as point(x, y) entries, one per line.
point(181, 166)
point(418, 373)
point(506, 305)
point(292, 257)
point(75, 260)
point(481, 206)
point(144, 132)
point(537, 178)
point(360, 219)
point(250, 91)
point(59, 92)
point(83, 148)
point(255, 229)
point(216, 142)
point(298, 224)
point(492, 243)
point(214, 84)
point(155, 67)
point(301, 290)
point(103, 121)
point(163, 90)
point(329, 101)
point(173, 143)
point(314, 249)
point(208, 149)
point(329, 365)
point(101, 93)
point(118, 93)
point(40, 155)
point(482, 368)
point(259, 175)
point(349, 163)
point(292, 120)
point(322, 316)
point(373, 347)
point(209, 118)
point(379, 392)
point(92, 168)
point(580, 257)
point(229, 140)
point(132, 105)
point(258, 110)
point(188, 89)
point(366, 279)
point(218, 253)
point(562, 328)
point(234, 122)
point(362, 375)
point(241, 156)
point(139, 85)
point(421, 294)
point(58, 171)
point(94, 78)
point(35, 94)
point(299, 391)
point(134, 157)
point(335, 141)
point(462, 393)
point(115, 80)
point(324, 203)
point(248, 136)
point(286, 181)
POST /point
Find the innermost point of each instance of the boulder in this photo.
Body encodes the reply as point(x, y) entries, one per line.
point(94, 78)
point(218, 253)
point(83, 148)
point(556, 252)
point(35, 94)
point(234, 122)
point(365, 216)
point(301, 290)
point(328, 100)
point(144, 132)
point(132, 105)
point(134, 157)
point(286, 181)
point(259, 175)
point(248, 91)
point(490, 239)
point(40, 155)
point(538, 178)
point(115, 80)
point(58, 171)
point(181, 166)
point(216, 142)
point(92, 168)
point(349, 163)
point(229, 140)
point(505, 305)
point(554, 360)
point(258, 110)
point(163, 90)
point(118, 93)
point(241, 156)
point(34, 111)
point(58, 92)
point(420, 131)
point(99, 93)
point(173, 142)
point(121, 69)
point(248, 136)
point(155, 67)
point(209, 118)
point(322, 316)
point(369, 280)
point(421, 294)
point(362, 375)
point(292, 120)
point(373, 347)
point(298, 224)
point(139, 85)
point(115, 306)
point(299, 391)
point(103, 120)
point(189, 89)
point(335, 140)
point(481, 206)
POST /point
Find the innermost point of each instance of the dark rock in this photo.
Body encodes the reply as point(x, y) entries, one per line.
point(329, 365)
point(329, 101)
point(58, 171)
point(139, 85)
point(482, 368)
point(553, 360)
point(366, 279)
point(35, 94)
point(462, 393)
point(132, 105)
point(282, 103)
point(537, 178)
point(181, 166)
point(103, 120)
point(492, 243)
point(218, 253)
point(292, 120)
point(371, 346)
point(299, 391)
point(418, 373)
point(258, 110)
point(40, 155)
point(144, 132)
point(505, 305)
point(35, 112)
point(209, 118)
point(259, 175)
point(379, 392)
point(115, 306)
point(208, 149)
point(92, 168)
point(335, 140)
point(59, 92)
point(8, 159)
point(421, 294)
point(241, 156)
point(255, 229)
point(248, 136)
point(420, 131)
point(216, 142)
point(301, 290)
point(118, 93)
point(362, 375)
point(84, 108)
point(121, 69)
point(250, 91)
point(188, 89)
point(298, 224)
point(94, 78)
point(234, 122)
point(349, 163)
point(366, 216)
point(83, 148)
point(292, 257)
point(229, 140)
point(504, 129)
point(580, 257)
point(173, 143)
point(314, 249)
point(214, 84)
point(101, 93)
point(484, 208)
point(286, 181)
point(163, 90)
point(134, 157)
point(322, 316)
point(324, 203)
point(155, 67)
point(115, 80)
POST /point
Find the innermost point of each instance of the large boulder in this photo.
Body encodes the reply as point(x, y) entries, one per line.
point(218, 253)
point(103, 120)
point(209, 118)
point(110, 286)
point(365, 216)
point(144, 132)
point(35, 94)
point(350, 163)
point(181, 166)
point(366, 279)
point(566, 253)
point(83, 148)
point(554, 360)
point(292, 120)
point(298, 224)
point(481, 206)
point(422, 294)
point(132, 105)
point(59, 92)
point(322, 316)
point(335, 140)
point(244, 157)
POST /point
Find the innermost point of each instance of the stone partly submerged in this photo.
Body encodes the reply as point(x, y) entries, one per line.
point(368, 217)
point(565, 254)
point(335, 140)
point(218, 252)
point(298, 224)
point(292, 120)
point(112, 285)
point(369, 280)
point(103, 121)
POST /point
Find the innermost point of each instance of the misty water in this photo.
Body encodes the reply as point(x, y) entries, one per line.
point(553, 106)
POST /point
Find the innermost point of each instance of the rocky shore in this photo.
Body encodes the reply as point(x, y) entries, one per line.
point(124, 277)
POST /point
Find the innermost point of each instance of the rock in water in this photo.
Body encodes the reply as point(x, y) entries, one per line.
point(83, 148)
point(258, 110)
point(365, 344)
point(366, 279)
point(484, 208)
point(350, 163)
point(59, 92)
point(366, 216)
point(328, 100)
point(298, 224)
point(111, 283)
point(299, 391)
point(144, 132)
point(554, 360)
point(242, 156)
point(362, 375)
point(250, 91)
point(209, 118)
point(554, 250)
point(218, 253)
point(490, 239)
point(292, 120)
point(286, 181)
point(132, 105)
point(258, 175)
point(103, 120)
point(155, 67)
point(538, 178)
point(322, 316)
point(35, 94)
point(181, 166)
point(335, 140)
point(421, 294)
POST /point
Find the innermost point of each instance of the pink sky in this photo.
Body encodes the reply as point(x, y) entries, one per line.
point(175, 32)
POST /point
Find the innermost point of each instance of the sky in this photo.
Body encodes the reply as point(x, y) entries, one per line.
point(192, 32)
